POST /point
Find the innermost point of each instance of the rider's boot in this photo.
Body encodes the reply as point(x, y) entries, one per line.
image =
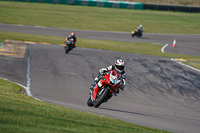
point(94, 83)
point(117, 92)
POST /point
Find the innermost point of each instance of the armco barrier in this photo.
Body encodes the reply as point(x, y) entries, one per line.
point(171, 8)
point(99, 3)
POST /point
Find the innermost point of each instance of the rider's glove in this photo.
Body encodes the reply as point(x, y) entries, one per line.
point(123, 84)
point(102, 70)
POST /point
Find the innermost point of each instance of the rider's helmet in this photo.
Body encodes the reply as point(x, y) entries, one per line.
point(140, 26)
point(72, 34)
point(119, 65)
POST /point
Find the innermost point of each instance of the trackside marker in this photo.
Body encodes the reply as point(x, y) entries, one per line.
point(174, 43)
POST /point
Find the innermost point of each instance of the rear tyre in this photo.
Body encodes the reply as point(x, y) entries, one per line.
point(100, 99)
point(89, 102)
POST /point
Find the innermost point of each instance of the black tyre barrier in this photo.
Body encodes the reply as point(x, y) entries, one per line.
point(171, 8)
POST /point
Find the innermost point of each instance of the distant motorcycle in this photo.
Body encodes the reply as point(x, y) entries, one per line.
point(69, 45)
point(136, 33)
point(110, 85)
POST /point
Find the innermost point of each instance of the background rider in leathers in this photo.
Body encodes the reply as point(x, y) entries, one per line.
point(72, 35)
point(139, 28)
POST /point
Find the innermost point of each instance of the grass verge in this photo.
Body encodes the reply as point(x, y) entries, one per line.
point(97, 18)
point(21, 113)
point(130, 47)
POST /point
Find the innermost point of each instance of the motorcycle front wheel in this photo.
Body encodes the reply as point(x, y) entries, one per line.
point(89, 102)
point(66, 49)
point(101, 98)
point(140, 35)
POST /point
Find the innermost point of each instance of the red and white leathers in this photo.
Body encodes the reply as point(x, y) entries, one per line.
point(112, 78)
point(104, 70)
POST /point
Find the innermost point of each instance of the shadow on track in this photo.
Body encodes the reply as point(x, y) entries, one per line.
point(74, 54)
point(128, 112)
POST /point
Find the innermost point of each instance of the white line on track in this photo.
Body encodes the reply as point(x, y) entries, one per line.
point(13, 82)
point(164, 48)
point(179, 61)
point(185, 65)
point(28, 73)
point(27, 88)
point(22, 87)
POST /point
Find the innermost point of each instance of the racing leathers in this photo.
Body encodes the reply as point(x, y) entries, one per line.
point(139, 28)
point(74, 40)
point(102, 71)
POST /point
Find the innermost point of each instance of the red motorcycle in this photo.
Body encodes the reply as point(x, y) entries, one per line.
point(110, 84)
point(69, 45)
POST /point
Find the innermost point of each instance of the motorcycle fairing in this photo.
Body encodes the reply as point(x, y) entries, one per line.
point(112, 76)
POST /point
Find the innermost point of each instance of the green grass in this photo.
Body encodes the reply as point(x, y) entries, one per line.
point(21, 113)
point(96, 18)
point(195, 65)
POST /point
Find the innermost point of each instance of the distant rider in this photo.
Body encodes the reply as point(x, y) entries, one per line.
point(139, 28)
point(119, 67)
point(72, 35)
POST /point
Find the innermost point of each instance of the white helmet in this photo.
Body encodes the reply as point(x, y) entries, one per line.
point(140, 26)
point(119, 65)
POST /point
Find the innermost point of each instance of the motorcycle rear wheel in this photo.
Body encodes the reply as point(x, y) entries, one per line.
point(104, 95)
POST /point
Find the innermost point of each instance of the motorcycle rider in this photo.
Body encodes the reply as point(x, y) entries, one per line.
point(119, 67)
point(139, 28)
point(72, 35)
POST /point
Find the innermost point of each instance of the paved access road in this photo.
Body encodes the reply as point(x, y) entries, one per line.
point(160, 93)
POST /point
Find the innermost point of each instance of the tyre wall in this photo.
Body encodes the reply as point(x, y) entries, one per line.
point(171, 8)
point(119, 4)
point(99, 3)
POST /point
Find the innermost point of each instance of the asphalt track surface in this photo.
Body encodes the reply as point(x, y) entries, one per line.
point(160, 93)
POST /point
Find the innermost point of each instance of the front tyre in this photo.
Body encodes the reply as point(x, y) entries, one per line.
point(140, 34)
point(101, 98)
point(89, 102)
point(66, 49)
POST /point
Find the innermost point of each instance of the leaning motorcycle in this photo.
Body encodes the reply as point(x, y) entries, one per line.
point(137, 33)
point(68, 45)
point(110, 84)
